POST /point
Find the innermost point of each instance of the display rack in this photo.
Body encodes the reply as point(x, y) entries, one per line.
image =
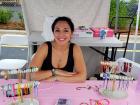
point(20, 89)
point(115, 85)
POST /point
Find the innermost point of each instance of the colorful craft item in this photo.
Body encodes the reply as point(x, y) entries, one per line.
point(130, 67)
point(96, 102)
point(22, 85)
point(82, 32)
point(4, 74)
point(113, 76)
point(106, 76)
point(102, 34)
point(125, 66)
point(8, 72)
point(83, 87)
point(97, 31)
point(105, 66)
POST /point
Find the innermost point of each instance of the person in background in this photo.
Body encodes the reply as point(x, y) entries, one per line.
point(59, 60)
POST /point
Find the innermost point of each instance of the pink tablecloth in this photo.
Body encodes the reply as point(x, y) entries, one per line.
point(50, 92)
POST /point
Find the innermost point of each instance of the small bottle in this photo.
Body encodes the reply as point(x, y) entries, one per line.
point(102, 34)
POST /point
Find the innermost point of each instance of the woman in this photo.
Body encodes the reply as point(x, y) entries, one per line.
point(60, 60)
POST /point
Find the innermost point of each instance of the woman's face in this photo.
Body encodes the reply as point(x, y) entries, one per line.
point(62, 32)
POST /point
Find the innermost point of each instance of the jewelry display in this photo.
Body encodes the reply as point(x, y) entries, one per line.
point(115, 85)
point(19, 90)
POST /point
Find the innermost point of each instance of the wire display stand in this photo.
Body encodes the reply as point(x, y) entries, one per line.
point(115, 85)
point(22, 92)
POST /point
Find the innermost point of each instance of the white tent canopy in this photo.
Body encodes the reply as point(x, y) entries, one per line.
point(136, 30)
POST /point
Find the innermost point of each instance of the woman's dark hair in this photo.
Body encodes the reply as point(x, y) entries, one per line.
point(68, 20)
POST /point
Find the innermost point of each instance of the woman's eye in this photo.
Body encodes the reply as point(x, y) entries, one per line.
point(56, 30)
point(66, 30)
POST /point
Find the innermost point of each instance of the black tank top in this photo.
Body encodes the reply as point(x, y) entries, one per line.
point(47, 64)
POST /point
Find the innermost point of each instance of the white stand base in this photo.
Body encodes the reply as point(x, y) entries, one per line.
point(26, 101)
point(117, 94)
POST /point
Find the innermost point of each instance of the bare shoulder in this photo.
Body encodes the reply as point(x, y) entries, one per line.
point(40, 54)
point(42, 50)
point(76, 48)
point(43, 47)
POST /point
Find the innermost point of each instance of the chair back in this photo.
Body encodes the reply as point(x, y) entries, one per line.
point(13, 40)
point(8, 44)
point(123, 27)
point(135, 69)
point(124, 24)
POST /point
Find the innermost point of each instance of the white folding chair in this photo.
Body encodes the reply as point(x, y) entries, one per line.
point(12, 40)
point(135, 69)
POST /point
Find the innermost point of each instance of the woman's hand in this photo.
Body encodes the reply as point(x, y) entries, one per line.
point(64, 73)
point(52, 79)
point(60, 73)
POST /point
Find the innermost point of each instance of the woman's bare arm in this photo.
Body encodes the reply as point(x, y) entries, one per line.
point(79, 74)
point(80, 69)
point(37, 61)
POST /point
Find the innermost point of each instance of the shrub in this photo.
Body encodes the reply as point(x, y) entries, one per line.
point(20, 15)
point(125, 9)
point(21, 23)
point(5, 15)
point(122, 11)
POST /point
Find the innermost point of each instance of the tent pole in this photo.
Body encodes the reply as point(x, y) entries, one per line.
point(117, 15)
point(136, 31)
point(26, 29)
